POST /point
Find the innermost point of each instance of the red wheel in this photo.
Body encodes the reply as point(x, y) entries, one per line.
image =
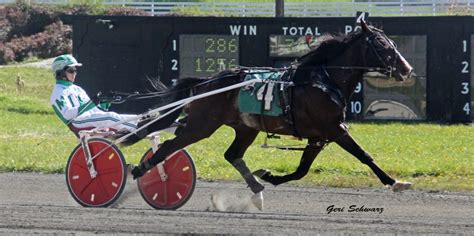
point(173, 190)
point(106, 187)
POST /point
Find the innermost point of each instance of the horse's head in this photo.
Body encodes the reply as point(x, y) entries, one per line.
point(382, 52)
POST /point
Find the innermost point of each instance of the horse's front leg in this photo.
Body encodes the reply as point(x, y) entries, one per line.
point(350, 145)
point(309, 154)
point(234, 155)
point(245, 136)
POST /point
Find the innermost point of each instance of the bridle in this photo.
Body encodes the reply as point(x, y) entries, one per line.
point(375, 46)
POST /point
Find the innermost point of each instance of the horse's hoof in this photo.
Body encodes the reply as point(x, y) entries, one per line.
point(260, 173)
point(256, 187)
point(400, 186)
point(137, 172)
point(257, 200)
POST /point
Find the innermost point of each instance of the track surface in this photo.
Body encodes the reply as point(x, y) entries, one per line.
point(32, 203)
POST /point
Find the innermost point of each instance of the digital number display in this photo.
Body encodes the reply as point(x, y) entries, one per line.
point(206, 54)
point(291, 46)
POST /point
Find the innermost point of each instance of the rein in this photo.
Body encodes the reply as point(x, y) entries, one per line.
point(371, 40)
point(121, 97)
point(387, 69)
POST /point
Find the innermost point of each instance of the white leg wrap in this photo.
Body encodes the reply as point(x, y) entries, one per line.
point(257, 200)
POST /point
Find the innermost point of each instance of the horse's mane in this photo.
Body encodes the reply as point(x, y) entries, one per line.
point(328, 47)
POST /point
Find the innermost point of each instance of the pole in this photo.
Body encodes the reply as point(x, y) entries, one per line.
point(279, 8)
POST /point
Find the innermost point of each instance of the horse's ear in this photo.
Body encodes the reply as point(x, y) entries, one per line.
point(364, 26)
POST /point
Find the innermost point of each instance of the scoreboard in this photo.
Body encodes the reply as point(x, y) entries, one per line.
point(134, 50)
point(206, 54)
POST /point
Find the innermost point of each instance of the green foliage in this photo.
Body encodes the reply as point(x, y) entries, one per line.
point(432, 156)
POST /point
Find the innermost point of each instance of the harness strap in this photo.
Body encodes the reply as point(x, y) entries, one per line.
point(262, 108)
point(287, 94)
point(291, 115)
point(315, 145)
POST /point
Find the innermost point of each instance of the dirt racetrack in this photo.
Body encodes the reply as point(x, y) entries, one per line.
point(33, 203)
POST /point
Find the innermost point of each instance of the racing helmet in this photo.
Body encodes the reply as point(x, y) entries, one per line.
point(62, 61)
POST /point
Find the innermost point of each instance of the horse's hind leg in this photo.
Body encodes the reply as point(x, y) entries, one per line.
point(351, 146)
point(244, 136)
point(185, 135)
point(310, 152)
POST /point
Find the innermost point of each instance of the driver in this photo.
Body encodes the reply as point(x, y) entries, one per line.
point(72, 105)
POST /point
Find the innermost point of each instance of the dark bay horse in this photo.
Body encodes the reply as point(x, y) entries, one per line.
point(316, 117)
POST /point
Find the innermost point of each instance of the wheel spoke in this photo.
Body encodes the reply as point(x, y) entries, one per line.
point(108, 171)
point(85, 187)
point(176, 162)
point(103, 187)
point(150, 182)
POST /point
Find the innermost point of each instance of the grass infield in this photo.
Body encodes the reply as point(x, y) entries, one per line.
point(432, 156)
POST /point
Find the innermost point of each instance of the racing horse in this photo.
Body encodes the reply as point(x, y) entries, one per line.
point(317, 116)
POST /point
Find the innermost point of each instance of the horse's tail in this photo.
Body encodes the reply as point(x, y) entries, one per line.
point(180, 89)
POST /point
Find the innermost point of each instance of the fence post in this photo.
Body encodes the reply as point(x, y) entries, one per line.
point(401, 7)
point(279, 8)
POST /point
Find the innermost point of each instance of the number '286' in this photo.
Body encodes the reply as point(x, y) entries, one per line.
point(220, 45)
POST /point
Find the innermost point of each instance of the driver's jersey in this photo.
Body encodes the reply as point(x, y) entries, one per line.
point(73, 106)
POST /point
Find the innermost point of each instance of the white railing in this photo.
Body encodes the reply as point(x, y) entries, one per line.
point(297, 9)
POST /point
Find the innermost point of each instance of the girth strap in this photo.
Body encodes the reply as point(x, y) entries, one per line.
point(287, 99)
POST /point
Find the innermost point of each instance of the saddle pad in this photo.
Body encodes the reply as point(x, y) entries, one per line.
point(255, 99)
